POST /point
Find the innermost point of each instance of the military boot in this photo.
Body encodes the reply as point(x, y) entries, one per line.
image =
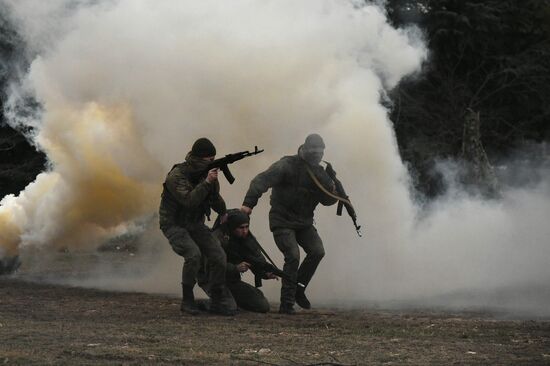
point(287, 308)
point(188, 304)
point(222, 302)
point(301, 298)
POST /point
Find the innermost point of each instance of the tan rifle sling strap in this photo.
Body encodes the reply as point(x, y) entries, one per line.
point(323, 189)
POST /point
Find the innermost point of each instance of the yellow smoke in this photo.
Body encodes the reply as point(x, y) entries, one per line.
point(9, 235)
point(126, 86)
point(102, 178)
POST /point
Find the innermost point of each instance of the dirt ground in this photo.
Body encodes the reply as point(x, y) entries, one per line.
point(50, 324)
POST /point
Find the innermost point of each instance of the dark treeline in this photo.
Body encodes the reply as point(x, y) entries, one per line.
point(487, 58)
point(20, 162)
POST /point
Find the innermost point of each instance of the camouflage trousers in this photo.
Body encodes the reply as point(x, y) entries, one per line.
point(192, 242)
point(248, 297)
point(288, 241)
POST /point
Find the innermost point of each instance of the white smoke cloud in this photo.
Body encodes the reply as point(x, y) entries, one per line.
point(128, 85)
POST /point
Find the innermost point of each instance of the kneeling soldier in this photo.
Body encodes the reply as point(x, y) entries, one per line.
point(243, 253)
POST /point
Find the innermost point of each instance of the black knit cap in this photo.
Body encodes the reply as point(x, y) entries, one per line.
point(236, 218)
point(314, 140)
point(203, 148)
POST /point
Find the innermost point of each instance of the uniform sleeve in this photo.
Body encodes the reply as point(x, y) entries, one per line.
point(184, 192)
point(231, 270)
point(218, 203)
point(263, 181)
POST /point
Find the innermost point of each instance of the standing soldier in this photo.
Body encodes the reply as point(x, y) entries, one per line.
point(295, 195)
point(189, 194)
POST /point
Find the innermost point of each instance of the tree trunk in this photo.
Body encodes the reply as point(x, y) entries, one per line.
point(478, 171)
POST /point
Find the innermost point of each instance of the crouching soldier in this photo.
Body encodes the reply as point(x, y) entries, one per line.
point(243, 254)
point(190, 192)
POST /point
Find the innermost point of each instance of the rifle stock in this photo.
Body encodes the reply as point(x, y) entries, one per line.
point(264, 267)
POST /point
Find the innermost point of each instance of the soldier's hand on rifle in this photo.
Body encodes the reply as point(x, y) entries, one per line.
point(212, 175)
point(243, 267)
point(271, 276)
point(247, 210)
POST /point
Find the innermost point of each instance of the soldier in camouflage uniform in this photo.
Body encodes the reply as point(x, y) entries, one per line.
point(188, 196)
point(243, 253)
point(294, 198)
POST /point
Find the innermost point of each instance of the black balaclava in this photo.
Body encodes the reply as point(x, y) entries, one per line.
point(202, 148)
point(313, 149)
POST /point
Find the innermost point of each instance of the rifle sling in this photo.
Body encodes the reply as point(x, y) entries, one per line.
point(323, 189)
point(264, 253)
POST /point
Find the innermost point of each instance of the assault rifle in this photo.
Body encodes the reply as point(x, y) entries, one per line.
point(264, 267)
point(344, 200)
point(222, 163)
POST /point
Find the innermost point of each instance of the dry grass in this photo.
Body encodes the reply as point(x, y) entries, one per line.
point(47, 324)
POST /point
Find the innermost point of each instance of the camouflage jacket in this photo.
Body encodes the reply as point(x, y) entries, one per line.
point(294, 195)
point(187, 199)
point(241, 250)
